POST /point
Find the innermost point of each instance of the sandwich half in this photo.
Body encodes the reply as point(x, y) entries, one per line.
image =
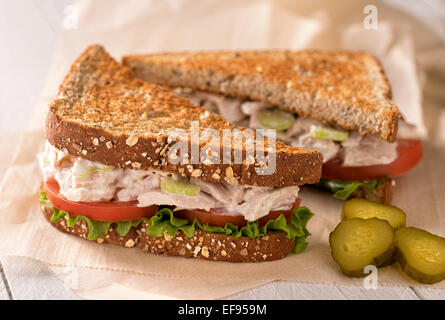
point(338, 102)
point(110, 173)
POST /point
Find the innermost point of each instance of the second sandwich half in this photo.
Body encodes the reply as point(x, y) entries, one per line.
point(337, 102)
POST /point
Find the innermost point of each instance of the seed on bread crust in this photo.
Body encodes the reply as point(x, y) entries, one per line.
point(229, 172)
point(196, 173)
point(131, 140)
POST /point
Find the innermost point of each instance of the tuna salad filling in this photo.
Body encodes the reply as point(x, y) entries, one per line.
point(81, 180)
point(352, 148)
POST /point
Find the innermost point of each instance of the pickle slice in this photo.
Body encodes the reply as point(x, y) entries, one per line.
point(179, 186)
point(365, 209)
point(328, 133)
point(356, 243)
point(421, 254)
point(276, 119)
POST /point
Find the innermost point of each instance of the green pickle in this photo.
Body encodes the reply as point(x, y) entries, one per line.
point(421, 254)
point(365, 209)
point(276, 119)
point(179, 186)
point(356, 243)
point(328, 133)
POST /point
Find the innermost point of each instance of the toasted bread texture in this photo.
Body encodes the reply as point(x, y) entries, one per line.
point(382, 194)
point(203, 245)
point(104, 114)
point(342, 88)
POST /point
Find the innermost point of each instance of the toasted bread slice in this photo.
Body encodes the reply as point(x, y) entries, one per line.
point(342, 88)
point(382, 194)
point(203, 245)
point(104, 114)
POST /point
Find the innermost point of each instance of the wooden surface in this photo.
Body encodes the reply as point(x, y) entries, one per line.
point(25, 278)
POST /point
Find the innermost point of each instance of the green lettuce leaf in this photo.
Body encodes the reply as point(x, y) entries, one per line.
point(44, 200)
point(343, 189)
point(165, 221)
point(96, 229)
point(123, 227)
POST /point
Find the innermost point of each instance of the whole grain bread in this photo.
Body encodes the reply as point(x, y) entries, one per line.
point(382, 194)
point(343, 88)
point(203, 245)
point(104, 114)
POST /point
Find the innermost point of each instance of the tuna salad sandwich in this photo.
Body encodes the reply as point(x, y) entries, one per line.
point(110, 173)
point(337, 102)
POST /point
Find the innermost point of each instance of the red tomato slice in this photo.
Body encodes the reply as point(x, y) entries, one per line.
point(409, 154)
point(99, 211)
point(219, 220)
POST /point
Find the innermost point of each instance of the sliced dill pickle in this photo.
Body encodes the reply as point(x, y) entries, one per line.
point(179, 186)
point(365, 209)
point(276, 119)
point(356, 243)
point(328, 133)
point(421, 254)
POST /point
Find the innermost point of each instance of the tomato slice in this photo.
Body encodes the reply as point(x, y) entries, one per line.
point(409, 153)
point(220, 220)
point(99, 211)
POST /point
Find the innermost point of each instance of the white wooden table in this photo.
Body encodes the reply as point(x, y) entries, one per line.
point(24, 278)
point(28, 30)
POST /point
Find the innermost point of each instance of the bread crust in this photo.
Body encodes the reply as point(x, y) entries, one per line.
point(104, 114)
point(203, 245)
point(343, 88)
point(382, 194)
